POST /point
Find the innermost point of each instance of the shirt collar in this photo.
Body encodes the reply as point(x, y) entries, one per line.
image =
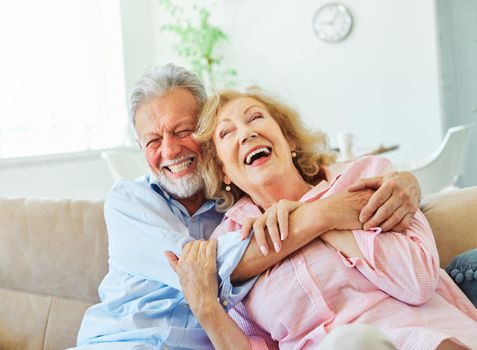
point(243, 209)
point(156, 187)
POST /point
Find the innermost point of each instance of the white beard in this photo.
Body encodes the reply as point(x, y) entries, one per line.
point(182, 187)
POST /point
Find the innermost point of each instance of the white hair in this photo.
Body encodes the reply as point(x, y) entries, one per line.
point(160, 79)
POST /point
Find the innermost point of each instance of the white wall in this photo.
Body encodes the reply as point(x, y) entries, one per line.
point(63, 176)
point(382, 83)
point(458, 49)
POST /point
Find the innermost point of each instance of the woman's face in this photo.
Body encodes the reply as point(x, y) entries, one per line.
point(252, 148)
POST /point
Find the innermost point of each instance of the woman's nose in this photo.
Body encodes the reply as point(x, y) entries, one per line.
point(248, 136)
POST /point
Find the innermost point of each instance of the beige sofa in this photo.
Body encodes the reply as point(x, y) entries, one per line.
point(53, 255)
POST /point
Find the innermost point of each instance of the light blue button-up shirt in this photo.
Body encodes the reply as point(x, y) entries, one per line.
point(142, 306)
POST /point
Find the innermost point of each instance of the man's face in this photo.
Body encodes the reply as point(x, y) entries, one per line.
point(164, 126)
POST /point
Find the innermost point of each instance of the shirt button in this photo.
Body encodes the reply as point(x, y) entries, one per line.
point(225, 303)
point(193, 219)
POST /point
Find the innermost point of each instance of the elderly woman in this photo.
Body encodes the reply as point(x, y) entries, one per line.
point(260, 154)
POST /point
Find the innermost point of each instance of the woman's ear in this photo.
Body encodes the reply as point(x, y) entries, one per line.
point(227, 180)
point(292, 145)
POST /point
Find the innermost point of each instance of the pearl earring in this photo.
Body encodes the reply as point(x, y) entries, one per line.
point(293, 154)
point(228, 188)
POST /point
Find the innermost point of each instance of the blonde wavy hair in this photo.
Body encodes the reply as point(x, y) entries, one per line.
point(311, 146)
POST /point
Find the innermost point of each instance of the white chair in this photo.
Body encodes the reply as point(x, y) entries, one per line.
point(442, 168)
point(125, 164)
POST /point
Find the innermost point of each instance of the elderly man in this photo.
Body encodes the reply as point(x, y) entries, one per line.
point(142, 305)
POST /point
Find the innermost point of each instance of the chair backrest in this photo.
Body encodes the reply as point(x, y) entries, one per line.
point(126, 164)
point(446, 164)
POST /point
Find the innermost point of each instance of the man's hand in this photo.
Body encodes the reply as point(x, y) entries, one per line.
point(342, 210)
point(393, 205)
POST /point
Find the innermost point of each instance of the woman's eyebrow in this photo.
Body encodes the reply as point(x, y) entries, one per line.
point(223, 120)
point(245, 111)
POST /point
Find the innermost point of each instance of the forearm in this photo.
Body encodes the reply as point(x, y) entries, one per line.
point(222, 330)
point(305, 224)
point(344, 242)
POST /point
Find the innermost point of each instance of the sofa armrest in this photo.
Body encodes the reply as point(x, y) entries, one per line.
point(453, 218)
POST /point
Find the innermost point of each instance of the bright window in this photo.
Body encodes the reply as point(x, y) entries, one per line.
point(61, 76)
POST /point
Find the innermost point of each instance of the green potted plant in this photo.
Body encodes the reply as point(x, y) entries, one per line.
point(198, 42)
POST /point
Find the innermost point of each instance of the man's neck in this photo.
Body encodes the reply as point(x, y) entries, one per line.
point(193, 203)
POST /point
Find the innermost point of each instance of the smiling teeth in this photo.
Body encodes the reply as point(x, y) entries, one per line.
point(179, 167)
point(258, 150)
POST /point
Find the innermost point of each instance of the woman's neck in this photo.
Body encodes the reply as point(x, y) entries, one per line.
point(292, 188)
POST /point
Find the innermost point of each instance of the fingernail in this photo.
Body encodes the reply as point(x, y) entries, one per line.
point(264, 250)
point(277, 246)
point(282, 236)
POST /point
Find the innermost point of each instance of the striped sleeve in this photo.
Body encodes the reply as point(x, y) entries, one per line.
point(404, 265)
point(259, 338)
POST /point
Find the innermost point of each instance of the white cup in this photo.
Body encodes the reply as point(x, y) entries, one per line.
point(345, 144)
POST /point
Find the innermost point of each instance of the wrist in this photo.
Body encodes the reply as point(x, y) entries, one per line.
point(325, 215)
point(322, 219)
point(206, 310)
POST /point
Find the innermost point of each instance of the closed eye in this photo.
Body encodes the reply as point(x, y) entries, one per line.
point(224, 133)
point(184, 133)
point(255, 116)
point(153, 142)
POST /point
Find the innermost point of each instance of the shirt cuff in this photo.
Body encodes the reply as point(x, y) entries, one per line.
point(230, 251)
point(258, 343)
point(366, 241)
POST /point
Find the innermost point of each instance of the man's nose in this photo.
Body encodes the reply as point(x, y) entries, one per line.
point(170, 148)
point(247, 136)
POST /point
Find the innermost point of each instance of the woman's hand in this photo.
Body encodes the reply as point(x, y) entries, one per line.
point(274, 221)
point(197, 271)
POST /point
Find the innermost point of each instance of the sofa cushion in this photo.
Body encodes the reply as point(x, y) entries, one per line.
point(453, 218)
point(24, 319)
point(38, 322)
point(54, 247)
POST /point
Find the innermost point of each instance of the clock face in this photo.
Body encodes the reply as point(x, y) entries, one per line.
point(332, 22)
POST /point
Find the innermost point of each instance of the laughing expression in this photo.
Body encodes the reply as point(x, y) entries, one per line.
point(164, 126)
point(250, 144)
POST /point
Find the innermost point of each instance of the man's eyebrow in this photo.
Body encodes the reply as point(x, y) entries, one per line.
point(149, 136)
point(186, 124)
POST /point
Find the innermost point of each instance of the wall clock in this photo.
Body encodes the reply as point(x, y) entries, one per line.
point(332, 22)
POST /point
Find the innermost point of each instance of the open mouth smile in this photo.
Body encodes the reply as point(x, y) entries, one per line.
point(179, 165)
point(256, 154)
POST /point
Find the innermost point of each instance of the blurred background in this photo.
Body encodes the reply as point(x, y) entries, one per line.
point(404, 74)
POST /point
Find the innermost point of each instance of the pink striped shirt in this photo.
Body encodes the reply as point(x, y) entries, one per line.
point(398, 287)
